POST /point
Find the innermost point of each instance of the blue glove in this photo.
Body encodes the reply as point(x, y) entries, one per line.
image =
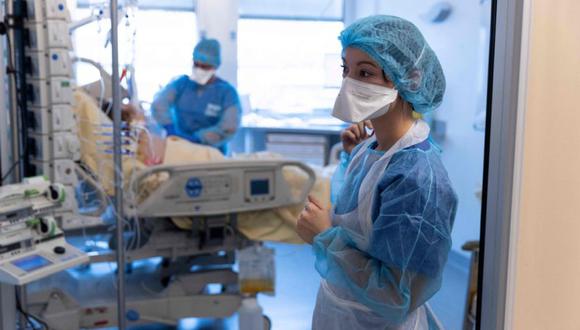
point(170, 129)
point(195, 138)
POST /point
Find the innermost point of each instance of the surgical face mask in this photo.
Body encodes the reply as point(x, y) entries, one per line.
point(201, 76)
point(358, 101)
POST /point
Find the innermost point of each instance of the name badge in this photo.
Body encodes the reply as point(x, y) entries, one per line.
point(212, 110)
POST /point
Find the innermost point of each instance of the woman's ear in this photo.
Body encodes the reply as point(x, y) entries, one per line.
point(402, 102)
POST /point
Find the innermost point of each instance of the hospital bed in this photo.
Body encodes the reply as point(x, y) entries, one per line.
point(194, 215)
point(189, 210)
point(211, 198)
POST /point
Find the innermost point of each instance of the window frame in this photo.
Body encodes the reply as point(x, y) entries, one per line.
point(176, 5)
point(298, 17)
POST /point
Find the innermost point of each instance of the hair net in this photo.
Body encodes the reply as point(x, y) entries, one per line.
point(403, 54)
point(208, 51)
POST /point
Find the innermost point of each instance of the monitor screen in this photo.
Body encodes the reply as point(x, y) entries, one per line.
point(31, 263)
point(260, 187)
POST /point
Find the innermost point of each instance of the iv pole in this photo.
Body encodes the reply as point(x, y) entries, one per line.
point(117, 158)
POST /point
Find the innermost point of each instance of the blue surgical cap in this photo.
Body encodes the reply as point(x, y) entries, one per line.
point(403, 54)
point(208, 51)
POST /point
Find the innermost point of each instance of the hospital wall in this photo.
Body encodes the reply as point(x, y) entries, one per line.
point(547, 268)
point(457, 41)
point(224, 29)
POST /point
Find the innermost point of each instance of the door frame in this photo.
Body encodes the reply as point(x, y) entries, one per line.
point(503, 159)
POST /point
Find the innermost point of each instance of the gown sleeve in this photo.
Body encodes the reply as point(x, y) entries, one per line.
point(163, 103)
point(228, 124)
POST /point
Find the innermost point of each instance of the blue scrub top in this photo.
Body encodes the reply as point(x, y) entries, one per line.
point(191, 111)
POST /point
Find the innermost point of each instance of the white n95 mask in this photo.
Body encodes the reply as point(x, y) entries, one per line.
point(358, 101)
point(201, 76)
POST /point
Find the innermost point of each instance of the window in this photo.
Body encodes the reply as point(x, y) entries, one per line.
point(164, 49)
point(285, 65)
point(289, 66)
point(159, 43)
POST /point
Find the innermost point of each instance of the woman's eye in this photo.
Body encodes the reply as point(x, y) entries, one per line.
point(365, 74)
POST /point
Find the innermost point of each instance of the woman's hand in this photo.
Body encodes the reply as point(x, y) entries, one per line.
point(313, 220)
point(354, 135)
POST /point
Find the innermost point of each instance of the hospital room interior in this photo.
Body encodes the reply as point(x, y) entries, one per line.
point(196, 164)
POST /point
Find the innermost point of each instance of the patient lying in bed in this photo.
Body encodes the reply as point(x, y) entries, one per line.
point(148, 149)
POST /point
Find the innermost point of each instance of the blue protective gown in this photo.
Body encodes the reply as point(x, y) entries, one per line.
point(208, 114)
point(379, 272)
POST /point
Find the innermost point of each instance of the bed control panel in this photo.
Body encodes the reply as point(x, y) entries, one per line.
point(221, 188)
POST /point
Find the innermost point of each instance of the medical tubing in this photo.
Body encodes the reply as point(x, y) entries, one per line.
point(102, 194)
point(102, 72)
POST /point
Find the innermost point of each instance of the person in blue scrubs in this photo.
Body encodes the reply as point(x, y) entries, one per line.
point(382, 248)
point(201, 107)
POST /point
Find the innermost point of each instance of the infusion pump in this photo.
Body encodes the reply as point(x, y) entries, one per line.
point(32, 246)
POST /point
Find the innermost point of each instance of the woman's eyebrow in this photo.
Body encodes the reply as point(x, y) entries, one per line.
point(367, 62)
